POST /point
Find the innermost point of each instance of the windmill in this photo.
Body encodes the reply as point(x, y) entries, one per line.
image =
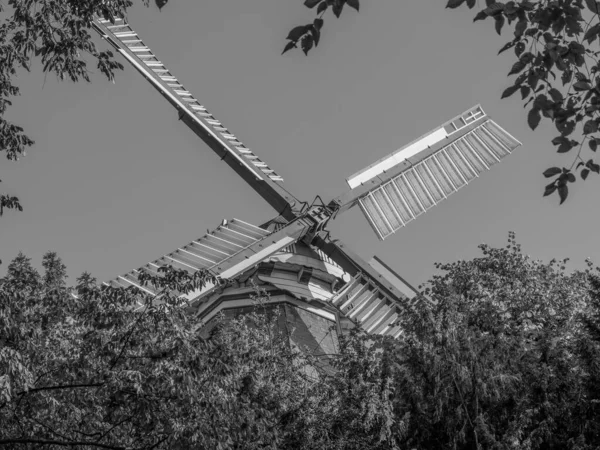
point(320, 282)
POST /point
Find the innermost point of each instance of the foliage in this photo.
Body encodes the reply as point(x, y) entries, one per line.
point(117, 369)
point(351, 407)
point(504, 360)
point(309, 35)
point(505, 356)
point(556, 73)
point(57, 34)
point(9, 202)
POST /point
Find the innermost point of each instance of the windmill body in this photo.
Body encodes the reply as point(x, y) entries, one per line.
point(320, 284)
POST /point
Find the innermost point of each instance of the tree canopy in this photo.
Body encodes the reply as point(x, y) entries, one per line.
point(504, 357)
point(118, 369)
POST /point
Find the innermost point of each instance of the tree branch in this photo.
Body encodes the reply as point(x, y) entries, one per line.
point(61, 443)
point(63, 386)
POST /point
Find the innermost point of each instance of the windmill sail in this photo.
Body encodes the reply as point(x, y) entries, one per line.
point(247, 164)
point(398, 188)
point(225, 252)
point(368, 294)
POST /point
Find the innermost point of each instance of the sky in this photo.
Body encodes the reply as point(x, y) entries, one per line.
point(115, 180)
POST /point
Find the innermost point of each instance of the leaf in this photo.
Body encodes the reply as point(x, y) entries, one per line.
point(582, 86)
point(318, 23)
point(527, 57)
point(337, 8)
point(551, 42)
point(533, 118)
point(590, 127)
point(525, 90)
point(494, 9)
point(542, 102)
point(552, 171)
point(556, 95)
point(564, 148)
point(297, 32)
point(290, 45)
point(592, 33)
point(499, 24)
point(549, 189)
point(527, 5)
point(471, 3)
point(565, 127)
point(570, 178)
point(454, 3)
point(519, 48)
point(593, 143)
point(585, 173)
point(311, 3)
point(510, 91)
point(353, 4)
point(593, 6)
point(563, 192)
point(307, 43)
point(506, 46)
point(532, 79)
point(517, 67)
point(564, 144)
point(520, 28)
point(576, 48)
point(480, 16)
point(322, 7)
point(316, 34)
point(566, 77)
point(160, 3)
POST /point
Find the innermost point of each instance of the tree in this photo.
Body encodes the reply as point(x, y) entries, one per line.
point(118, 369)
point(57, 33)
point(55, 275)
point(503, 359)
point(505, 356)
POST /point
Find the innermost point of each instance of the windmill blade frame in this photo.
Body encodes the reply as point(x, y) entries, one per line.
point(401, 186)
point(376, 296)
point(224, 253)
point(264, 180)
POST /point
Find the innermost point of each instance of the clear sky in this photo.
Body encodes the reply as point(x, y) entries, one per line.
point(115, 180)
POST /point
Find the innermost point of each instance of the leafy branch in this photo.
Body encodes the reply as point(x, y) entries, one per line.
point(310, 34)
point(554, 41)
point(57, 33)
point(62, 386)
